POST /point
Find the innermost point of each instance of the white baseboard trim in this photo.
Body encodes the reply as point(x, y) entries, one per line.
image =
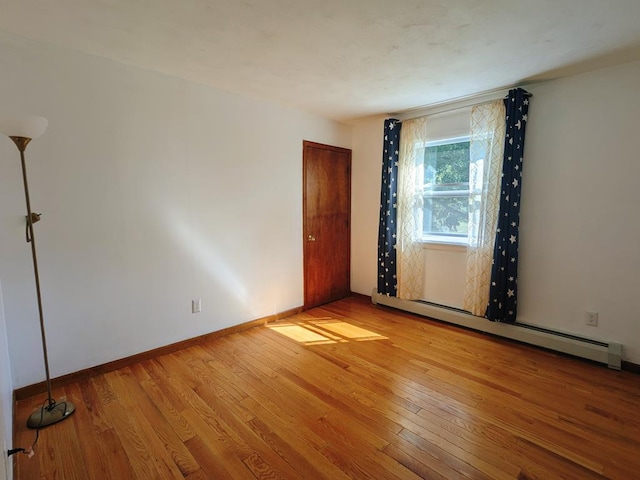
point(609, 353)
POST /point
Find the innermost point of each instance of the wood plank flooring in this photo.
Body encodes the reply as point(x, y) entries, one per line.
point(348, 390)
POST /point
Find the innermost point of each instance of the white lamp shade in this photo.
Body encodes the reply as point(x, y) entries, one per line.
point(29, 126)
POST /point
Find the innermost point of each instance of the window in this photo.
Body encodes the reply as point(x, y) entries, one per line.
point(446, 190)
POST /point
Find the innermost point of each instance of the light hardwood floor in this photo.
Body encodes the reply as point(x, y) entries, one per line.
point(348, 390)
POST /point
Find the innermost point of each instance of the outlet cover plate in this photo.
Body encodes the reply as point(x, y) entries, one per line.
point(591, 319)
point(196, 306)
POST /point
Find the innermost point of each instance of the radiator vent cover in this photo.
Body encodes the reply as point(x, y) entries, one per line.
point(608, 353)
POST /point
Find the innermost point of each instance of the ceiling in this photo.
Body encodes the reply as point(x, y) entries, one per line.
point(343, 59)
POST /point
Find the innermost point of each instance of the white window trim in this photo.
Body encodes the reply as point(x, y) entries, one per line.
point(438, 244)
point(448, 241)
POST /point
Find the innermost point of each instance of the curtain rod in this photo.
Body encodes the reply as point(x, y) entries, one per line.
point(526, 94)
point(456, 104)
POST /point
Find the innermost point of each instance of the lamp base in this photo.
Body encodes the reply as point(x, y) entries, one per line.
point(48, 415)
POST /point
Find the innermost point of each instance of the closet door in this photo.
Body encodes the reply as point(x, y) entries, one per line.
point(326, 223)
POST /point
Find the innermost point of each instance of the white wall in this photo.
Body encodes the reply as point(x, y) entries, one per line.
point(579, 219)
point(366, 171)
point(580, 227)
point(6, 399)
point(445, 268)
point(155, 191)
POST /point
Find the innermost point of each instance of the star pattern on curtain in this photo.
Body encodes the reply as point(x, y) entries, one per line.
point(503, 290)
point(387, 231)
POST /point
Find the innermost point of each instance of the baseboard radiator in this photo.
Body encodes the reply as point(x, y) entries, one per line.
point(609, 353)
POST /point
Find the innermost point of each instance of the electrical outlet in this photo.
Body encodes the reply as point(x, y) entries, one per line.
point(196, 306)
point(591, 319)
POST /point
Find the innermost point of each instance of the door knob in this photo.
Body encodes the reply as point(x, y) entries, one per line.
point(311, 238)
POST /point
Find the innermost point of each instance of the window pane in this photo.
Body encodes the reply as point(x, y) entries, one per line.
point(446, 164)
point(446, 215)
point(446, 188)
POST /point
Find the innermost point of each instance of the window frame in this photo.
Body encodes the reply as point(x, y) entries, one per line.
point(446, 239)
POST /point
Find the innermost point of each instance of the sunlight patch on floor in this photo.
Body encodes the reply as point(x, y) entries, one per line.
point(324, 331)
point(301, 334)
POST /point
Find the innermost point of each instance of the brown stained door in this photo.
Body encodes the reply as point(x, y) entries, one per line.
point(326, 223)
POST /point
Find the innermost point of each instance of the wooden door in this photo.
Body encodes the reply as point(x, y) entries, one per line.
point(326, 223)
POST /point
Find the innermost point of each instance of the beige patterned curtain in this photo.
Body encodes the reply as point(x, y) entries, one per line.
point(486, 150)
point(410, 186)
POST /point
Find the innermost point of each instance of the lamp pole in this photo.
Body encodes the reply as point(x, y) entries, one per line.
point(21, 143)
point(22, 130)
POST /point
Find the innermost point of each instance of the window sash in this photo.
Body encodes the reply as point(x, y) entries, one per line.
point(432, 191)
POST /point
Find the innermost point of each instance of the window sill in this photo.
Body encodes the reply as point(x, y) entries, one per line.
point(452, 245)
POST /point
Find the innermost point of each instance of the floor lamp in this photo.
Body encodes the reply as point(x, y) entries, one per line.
point(23, 129)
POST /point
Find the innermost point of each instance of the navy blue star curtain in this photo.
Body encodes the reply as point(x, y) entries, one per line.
point(503, 291)
point(387, 231)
